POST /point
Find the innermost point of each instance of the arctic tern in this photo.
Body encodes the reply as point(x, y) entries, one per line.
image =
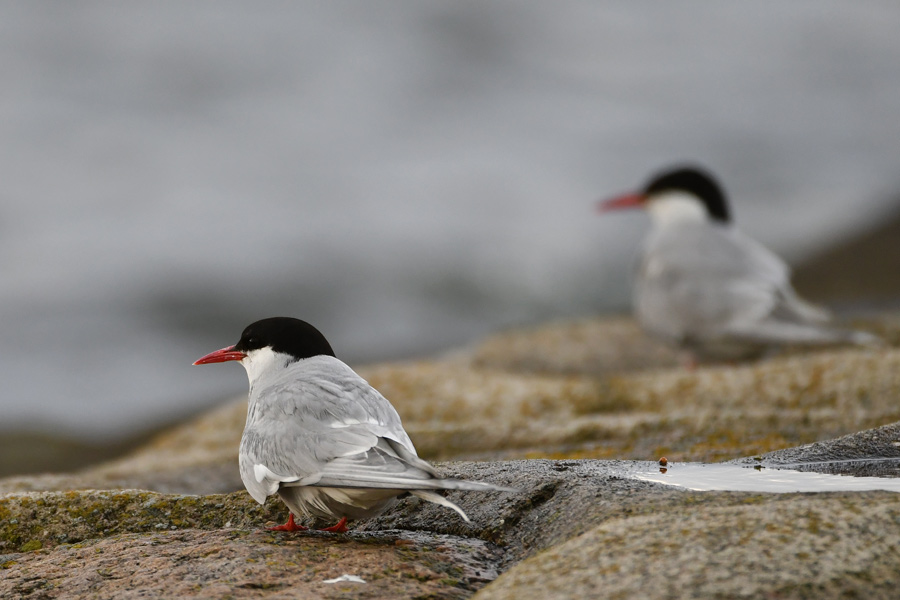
point(318, 435)
point(708, 288)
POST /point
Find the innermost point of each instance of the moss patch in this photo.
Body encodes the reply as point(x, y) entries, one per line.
point(35, 521)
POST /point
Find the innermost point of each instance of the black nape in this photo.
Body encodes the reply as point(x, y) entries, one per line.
point(696, 181)
point(285, 335)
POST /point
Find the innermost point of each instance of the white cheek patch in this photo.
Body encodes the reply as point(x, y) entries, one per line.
point(258, 362)
point(672, 207)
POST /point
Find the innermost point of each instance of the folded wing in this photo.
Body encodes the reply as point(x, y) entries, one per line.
point(325, 426)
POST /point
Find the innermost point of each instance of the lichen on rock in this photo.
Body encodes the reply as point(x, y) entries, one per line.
point(171, 519)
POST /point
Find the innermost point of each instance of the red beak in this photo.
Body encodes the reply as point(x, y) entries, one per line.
point(620, 202)
point(223, 355)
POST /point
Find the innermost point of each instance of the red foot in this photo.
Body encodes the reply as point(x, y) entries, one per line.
point(289, 526)
point(341, 527)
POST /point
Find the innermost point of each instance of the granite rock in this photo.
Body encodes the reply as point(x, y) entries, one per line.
point(171, 520)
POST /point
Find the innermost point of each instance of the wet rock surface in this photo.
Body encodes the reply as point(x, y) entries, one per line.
point(243, 564)
point(171, 519)
point(872, 453)
point(205, 545)
point(575, 529)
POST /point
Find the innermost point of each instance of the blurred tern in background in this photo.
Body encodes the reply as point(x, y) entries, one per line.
point(319, 435)
point(706, 287)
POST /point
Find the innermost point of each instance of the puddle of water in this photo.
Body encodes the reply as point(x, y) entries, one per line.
point(738, 478)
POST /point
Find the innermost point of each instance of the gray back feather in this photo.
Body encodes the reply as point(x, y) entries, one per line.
point(313, 412)
point(702, 281)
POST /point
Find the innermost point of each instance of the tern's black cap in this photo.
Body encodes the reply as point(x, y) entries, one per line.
point(695, 181)
point(285, 335)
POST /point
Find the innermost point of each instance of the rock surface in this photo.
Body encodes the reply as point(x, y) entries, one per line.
point(873, 453)
point(170, 519)
point(798, 546)
point(478, 405)
point(575, 527)
point(240, 564)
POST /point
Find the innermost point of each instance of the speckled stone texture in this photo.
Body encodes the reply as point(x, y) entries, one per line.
point(808, 546)
point(171, 518)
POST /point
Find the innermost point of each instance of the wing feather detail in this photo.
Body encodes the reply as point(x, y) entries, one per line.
point(320, 424)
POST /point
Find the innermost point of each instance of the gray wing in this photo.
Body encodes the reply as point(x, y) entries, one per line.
point(321, 424)
point(387, 465)
point(703, 281)
point(316, 411)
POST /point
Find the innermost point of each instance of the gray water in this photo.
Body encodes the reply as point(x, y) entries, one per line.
point(407, 176)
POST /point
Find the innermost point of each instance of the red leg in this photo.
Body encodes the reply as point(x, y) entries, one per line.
point(341, 527)
point(289, 526)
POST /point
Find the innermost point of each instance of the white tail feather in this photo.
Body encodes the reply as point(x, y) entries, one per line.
point(438, 499)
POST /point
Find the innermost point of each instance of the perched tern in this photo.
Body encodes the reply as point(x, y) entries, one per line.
point(706, 287)
point(319, 435)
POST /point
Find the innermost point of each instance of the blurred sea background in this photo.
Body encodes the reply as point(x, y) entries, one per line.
point(407, 176)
